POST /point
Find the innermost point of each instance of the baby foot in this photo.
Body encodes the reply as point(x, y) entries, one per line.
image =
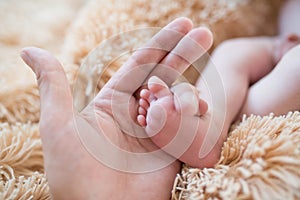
point(165, 112)
point(158, 103)
point(155, 106)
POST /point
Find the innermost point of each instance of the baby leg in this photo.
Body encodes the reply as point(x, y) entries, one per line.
point(237, 64)
point(279, 91)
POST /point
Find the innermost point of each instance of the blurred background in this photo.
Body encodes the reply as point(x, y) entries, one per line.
point(35, 23)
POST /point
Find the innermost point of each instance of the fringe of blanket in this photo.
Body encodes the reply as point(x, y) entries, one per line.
point(20, 105)
point(21, 163)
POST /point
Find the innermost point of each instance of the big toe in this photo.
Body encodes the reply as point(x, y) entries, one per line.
point(158, 87)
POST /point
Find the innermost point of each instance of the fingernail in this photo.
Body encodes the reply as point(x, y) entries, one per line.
point(26, 58)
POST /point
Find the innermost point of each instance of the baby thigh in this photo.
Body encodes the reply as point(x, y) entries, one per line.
point(279, 91)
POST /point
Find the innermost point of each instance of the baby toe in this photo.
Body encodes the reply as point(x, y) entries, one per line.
point(144, 104)
point(141, 119)
point(158, 87)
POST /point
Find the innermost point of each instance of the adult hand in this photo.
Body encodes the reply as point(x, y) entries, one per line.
point(96, 154)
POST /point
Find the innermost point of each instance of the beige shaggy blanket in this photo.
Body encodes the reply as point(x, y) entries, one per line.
point(261, 157)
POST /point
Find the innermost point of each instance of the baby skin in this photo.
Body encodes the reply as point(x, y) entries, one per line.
point(166, 112)
point(177, 119)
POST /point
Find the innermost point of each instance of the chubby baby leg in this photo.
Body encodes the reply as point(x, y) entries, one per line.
point(279, 91)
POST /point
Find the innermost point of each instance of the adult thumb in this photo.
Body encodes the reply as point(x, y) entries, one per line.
point(55, 94)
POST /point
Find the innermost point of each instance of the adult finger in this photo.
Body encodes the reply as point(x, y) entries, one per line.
point(55, 94)
point(135, 71)
point(187, 51)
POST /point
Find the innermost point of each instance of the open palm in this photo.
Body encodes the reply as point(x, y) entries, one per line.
point(101, 153)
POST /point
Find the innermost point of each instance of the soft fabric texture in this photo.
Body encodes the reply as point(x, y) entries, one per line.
point(261, 157)
point(259, 160)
